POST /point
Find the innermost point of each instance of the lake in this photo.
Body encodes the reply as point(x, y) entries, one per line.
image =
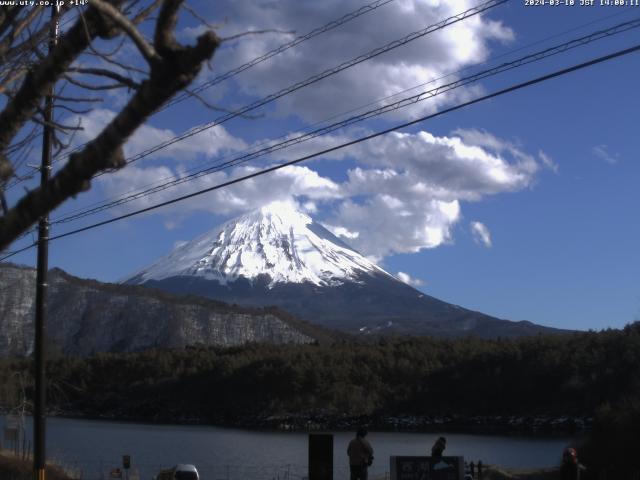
point(94, 447)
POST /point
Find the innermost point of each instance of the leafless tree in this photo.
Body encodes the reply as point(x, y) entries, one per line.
point(30, 68)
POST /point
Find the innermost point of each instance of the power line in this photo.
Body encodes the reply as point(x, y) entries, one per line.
point(262, 58)
point(527, 59)
point(512, 88)
point(266, 142)
point(599, 20)
point(316, 78)
point(272, 53)
point(373, 53)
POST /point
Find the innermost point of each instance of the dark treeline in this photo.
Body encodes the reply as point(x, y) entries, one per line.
point(554, 375)
point(586, 374)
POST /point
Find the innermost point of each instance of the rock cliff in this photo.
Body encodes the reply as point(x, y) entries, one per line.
point(86, 316)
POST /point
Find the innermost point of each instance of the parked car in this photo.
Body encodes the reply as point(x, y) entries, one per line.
point(179, 472)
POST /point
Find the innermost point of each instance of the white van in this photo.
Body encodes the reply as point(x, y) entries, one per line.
point(179, 472)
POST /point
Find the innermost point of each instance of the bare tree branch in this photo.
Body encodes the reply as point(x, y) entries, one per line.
point(176, 67)
point(145, 12)
point(18, 28)
point(89, 86)
point(146, 49)
point(54, 125)
point(40, 80)
point(12, 78)
point(109, 59)
point(7, 16)
point(78, 99)
point(102, 72)
point(198, 17)
point(33, 38)
point(76, 111)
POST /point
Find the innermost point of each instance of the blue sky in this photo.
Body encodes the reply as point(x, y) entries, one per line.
point(522, 207)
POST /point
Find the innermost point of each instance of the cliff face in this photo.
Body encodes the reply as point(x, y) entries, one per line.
point(85, 316)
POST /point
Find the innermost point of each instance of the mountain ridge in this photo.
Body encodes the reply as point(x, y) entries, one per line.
point(88, 316)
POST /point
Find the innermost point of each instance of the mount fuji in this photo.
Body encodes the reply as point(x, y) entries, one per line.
point(280, 256)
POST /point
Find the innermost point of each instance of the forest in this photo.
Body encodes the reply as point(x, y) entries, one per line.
point(589, 374)
point(555, 375)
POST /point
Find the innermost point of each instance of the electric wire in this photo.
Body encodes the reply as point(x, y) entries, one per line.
point(316, 78)
point(272, 53)
point(497, 93)
point(342, 114)
point(405, 102)
point(262, 58)
point(371, 54)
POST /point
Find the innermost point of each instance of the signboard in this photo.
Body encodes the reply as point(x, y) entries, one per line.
point(320, 456)
point(427, 468)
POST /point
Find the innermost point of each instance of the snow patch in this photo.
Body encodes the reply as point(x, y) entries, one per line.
point(276, 240)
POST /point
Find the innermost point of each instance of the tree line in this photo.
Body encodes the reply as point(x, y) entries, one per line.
point(592, 373)
point(575, 375)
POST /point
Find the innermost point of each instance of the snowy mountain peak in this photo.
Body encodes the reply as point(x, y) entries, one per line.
point(276, 240)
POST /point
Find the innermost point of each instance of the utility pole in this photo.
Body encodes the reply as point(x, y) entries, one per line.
point(40, 401)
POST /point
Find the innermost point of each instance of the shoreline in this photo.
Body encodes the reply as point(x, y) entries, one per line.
point(16, 467)
point(542, 426)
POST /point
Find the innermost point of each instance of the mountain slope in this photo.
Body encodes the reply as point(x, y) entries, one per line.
point(276, 240)
point(86, 316)
point(278, 256)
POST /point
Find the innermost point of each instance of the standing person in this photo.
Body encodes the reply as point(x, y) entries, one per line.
point(438, 448)
point(360, 455)
point(570, 468)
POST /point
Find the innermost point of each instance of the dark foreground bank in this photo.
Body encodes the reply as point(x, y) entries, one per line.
point(17, 468)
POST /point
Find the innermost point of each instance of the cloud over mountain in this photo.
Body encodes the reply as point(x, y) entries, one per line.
point(403, 194)
point(399, 193)
point(428, 58)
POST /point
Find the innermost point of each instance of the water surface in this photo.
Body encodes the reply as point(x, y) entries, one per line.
point(94, 447)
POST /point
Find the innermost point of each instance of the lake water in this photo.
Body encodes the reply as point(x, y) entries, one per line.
point(94, 447)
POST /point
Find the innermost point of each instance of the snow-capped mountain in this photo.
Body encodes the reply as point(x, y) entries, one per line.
point(276, 240)
point(279, 256)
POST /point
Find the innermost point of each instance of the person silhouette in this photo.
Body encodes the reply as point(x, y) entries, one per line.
point(360, 455)
point(438, 448)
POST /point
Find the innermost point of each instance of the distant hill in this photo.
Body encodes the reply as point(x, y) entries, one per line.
point(87, 316)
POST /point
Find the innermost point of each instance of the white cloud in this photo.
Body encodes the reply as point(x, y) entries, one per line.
point(309, 207)
point(446, 167)
point(424, 60)
point(402, 192)
point(481, 234)
point(341, 232)
point(403, 195)
point(210, 143)
point(548, 162)
point(384, 225)
point(406, 278)
point(602, 152)
point(283, 184)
